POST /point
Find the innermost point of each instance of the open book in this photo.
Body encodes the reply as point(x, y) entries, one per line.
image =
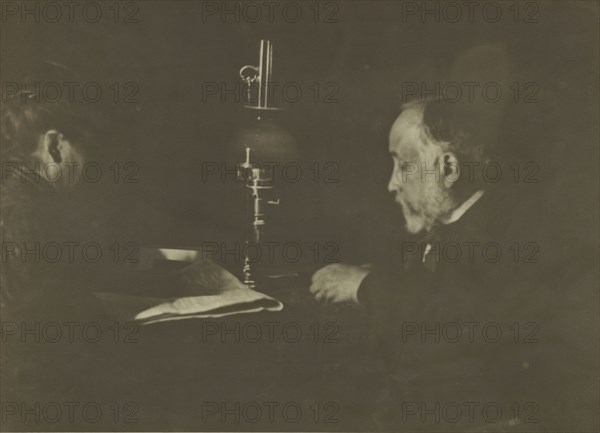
point(219, 294)
point(231, 301)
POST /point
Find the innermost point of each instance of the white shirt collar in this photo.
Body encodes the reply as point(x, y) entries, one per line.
point(460, 211)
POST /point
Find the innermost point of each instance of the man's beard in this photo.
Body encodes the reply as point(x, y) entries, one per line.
point(425, 213)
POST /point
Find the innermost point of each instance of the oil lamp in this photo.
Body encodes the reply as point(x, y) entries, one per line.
point(262, 145)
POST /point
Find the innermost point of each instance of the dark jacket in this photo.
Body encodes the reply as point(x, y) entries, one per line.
point(480, 319)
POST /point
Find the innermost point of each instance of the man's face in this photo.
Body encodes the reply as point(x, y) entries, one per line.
point(421, 195)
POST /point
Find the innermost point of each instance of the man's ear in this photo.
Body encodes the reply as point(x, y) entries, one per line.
point(450, 169)
point(53, 146)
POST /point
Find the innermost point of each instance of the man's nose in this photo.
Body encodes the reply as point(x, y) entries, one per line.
point(393, 184)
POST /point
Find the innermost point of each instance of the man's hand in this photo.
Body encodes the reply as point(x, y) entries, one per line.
point(338, 283)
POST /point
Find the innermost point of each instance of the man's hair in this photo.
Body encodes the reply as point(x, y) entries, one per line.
point(469, 129)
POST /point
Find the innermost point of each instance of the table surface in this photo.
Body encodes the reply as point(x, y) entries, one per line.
point(168, 376)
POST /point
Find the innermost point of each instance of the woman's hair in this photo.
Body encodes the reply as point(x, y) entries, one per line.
point(26, 113)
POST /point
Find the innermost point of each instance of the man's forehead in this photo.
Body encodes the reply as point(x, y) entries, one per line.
point(406, 132)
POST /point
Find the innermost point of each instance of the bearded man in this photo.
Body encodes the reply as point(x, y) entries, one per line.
point(445, 310)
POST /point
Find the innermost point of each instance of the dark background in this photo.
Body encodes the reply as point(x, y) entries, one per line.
point(368, 54)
